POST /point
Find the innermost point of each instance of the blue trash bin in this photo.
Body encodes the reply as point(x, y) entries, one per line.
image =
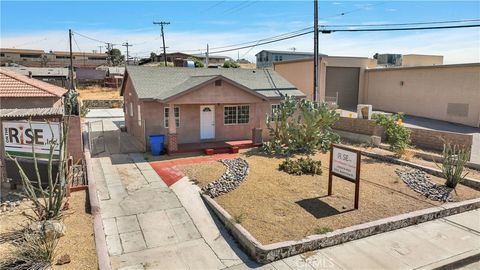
point(156, 144)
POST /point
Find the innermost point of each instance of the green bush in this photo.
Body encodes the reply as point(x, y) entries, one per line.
point(230, 64)
point(301, 166)
point(454, 159)
point(398, 136)
point(300, 126)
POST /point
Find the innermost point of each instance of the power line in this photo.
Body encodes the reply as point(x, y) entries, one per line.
point(401, 24)
point(326, 31)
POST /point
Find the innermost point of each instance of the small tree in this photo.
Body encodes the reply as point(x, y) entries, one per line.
point(116, 57)
point(198, 63)
point(398, 136)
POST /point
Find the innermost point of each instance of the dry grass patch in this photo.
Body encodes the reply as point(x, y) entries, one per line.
point(78, 241)
point(276, 206)
point(203, 173)
point(99, 93)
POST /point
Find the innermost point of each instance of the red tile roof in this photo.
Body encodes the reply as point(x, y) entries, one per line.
point(17, 85)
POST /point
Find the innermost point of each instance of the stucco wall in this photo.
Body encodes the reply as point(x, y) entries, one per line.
point(449, 93)
point(131, 103)
point(413, 60)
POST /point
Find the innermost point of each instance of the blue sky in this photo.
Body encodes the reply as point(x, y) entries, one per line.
point(44, 25)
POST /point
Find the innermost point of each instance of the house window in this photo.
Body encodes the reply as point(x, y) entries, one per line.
point(276, 58)
point(131, 109)
point(236, 114)
point(280, 58)
point(177, 117)
point(218, 83)
point(275, 108)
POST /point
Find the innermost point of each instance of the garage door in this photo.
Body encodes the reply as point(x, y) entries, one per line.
point(344, 81)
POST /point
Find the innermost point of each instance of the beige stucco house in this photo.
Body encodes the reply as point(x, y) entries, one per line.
point(195, 105)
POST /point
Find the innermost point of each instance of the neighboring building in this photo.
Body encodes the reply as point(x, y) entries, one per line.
point(443, 92)
point(56, 76)
point(213, 60)
point(87, 76)
point(340, 78)
point(266, 58)
point(20, 91)
point(408, 60)
point(193, 105)
point(114, 75)
point(23, 98)
point(39, 58)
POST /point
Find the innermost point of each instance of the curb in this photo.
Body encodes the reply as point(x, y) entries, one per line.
point(276, 251)
point(103, 259)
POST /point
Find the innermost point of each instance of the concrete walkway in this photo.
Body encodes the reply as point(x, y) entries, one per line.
point(150, 226)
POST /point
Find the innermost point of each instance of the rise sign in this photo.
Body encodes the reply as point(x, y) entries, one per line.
point(20, 136)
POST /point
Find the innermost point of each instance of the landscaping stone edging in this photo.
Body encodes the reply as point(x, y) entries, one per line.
point(469, 182)
point(103, 259)
point(272, 252)
point(235, 174)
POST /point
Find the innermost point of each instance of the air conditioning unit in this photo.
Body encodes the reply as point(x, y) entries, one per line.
point(364, 111)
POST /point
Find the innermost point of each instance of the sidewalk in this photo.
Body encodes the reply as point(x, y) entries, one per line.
point(150, 226)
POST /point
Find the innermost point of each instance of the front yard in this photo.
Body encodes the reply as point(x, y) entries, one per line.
point(275, 206)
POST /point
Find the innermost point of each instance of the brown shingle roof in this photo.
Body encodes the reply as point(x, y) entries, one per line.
point(16, 85)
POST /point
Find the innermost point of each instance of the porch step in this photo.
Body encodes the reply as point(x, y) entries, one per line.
point(222, 150)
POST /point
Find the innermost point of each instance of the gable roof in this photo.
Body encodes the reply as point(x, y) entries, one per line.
point(164, 82)
point(17, 85)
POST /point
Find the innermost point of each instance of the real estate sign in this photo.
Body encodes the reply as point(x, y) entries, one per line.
point(20, 136)
point(345, 163)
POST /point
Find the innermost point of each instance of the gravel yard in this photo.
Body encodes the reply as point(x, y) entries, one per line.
point(275, 206)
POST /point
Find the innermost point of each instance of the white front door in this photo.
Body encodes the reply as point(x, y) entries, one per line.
point(207, 122)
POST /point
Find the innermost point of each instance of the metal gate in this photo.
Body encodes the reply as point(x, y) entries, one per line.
point(96, 137)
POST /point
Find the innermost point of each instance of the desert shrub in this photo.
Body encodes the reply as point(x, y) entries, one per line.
point(454, 159)
point(398, 136)
point(301, 166)
point(33, 251)
point(300, 126)
point(84, 110)
point(238, 218)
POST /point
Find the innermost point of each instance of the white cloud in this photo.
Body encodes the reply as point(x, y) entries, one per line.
point(457, 45)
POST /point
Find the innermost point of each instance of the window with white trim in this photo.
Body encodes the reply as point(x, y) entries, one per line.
point(236, 114)
point(275, 108)
point(131, 109)
point(177, 116)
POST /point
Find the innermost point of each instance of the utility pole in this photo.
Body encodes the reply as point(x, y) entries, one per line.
point(72, 83)
point(128, 56)
point(100, 47)
point(163, 40)
point(109, 55)
point(315, 51)
point(206, 57)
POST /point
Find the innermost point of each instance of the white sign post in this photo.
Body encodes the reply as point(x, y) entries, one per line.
point(18, 137)
point(345, 163)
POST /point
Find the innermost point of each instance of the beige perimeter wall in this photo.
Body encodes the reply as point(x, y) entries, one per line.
point(449, 93)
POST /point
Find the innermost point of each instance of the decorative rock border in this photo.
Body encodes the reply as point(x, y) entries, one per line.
point(468, 181)
point(237, 171)
point(272, 252)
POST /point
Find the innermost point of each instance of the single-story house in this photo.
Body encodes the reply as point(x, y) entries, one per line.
point(56, 76)
point(206, 105)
